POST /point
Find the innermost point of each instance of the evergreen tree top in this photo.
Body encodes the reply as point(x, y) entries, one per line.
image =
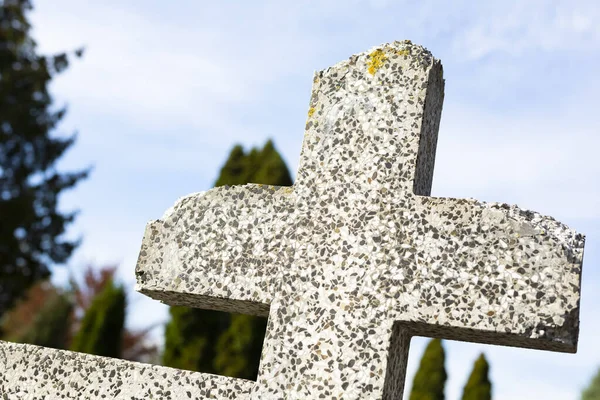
point(264, 166)
point(101, 330)
point(592, 392)
point(478, 386)
point(430, 379)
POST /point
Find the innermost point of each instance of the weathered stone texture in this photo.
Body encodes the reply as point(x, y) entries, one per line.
point(30, 372)
point(355, 258)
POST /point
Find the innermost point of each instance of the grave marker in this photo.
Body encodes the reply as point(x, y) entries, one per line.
point(348, 264)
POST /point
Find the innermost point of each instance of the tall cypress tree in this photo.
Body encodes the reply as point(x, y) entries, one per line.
point(31, 226)
point(217, 342)
point(191, 336)
point(431, 376)
point(235, 171)
point(271, 169)
point(592, 392)
point(478, 386)
point(239, 347)
point(101, 330)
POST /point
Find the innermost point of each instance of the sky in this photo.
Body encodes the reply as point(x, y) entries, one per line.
point(165, 89)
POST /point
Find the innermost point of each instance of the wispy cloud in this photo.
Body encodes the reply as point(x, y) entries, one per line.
point(545, 164)
point(517, 27)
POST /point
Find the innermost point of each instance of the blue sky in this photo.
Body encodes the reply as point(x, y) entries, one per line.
point(163, 92)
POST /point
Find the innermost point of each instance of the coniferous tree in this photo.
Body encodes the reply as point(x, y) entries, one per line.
point(217, 342)
point(235, 171)
point(35, 314)
point(258, 166)
point(191, 336)
point(43, 318)
point(430, 379)
point(50, 327)
point(16, 321)
point(31, 226)
point(101, 330)
point(478, 386)
point(136, 345)
point(271, 169)
point(239, 346)
point(592, 392)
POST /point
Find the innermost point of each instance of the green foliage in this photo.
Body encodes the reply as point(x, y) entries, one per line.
point(217, 342)
point(234, 172)
point(50, 326)
point(101, 330)
point(592, 392)
point(258, 166)
point(431, 376)
point(478, 386)
point(31, 226)
point(239, 346)
point(190, 338)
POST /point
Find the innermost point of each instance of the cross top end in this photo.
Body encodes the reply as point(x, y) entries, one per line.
point(380, 109)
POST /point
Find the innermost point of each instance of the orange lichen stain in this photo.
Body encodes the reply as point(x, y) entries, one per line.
point(376, 60)
point(311, 111)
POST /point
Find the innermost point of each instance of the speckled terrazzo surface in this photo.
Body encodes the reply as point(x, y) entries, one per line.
point(37, 373)
point(355, 258)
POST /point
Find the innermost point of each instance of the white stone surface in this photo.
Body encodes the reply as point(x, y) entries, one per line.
point(355, 258)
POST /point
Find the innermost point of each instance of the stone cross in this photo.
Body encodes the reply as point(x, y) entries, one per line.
point(348, 264)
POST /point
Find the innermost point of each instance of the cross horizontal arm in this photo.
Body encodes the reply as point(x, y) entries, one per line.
point(492, 268)
point(34, 372)
point(218, 249)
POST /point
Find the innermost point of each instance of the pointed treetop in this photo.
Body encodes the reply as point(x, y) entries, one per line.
point(431, 376)
point(592, 392)
point(478, 386)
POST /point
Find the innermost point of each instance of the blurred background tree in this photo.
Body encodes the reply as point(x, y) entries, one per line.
point(42, 317)
point(50, 325)
point(30, 224)
point(45, 305)
point(217, 342)
point(136, 345)
point(430, 379)
point(592, 392)
point(101, 329)
point(478, 386)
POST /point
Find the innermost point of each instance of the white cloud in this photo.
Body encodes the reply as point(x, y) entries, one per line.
point(517, 27)
point(548, 164)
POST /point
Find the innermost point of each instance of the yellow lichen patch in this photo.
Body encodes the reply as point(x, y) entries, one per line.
point(376, 60)
point(311, 111)
point(403, 52)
